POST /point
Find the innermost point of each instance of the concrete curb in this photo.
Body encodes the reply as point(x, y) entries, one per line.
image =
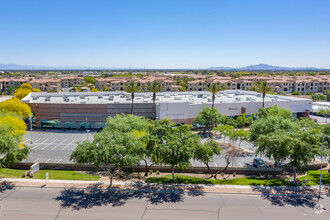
point(129, 183)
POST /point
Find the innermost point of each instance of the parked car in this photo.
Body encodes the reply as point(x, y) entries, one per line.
point(257, 162)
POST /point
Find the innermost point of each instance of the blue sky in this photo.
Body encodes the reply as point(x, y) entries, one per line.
point(165, 33)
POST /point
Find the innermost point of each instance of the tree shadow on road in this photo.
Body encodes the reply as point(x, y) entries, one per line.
point(6, 185)
point(95, 195)
point(282, 196)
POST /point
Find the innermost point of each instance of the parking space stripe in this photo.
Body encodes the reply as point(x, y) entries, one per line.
point(49, 144)
point(36, 160)
point(47, 160)
point(59, 144)
point(40, 144)
point(59, 160)
point(68, 144)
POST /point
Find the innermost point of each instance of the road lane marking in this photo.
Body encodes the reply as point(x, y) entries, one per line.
point(59, 144)
point(68, 144)
point(40, 143)
point(49, 143)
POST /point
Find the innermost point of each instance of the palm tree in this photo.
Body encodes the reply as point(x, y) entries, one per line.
point(132, 88)
point(214, 89)
point(154, 88)
point(262, 87)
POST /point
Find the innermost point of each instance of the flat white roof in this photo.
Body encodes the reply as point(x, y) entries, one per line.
point(228, 96)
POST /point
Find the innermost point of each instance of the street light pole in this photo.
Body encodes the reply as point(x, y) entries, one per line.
point(321, 164)
point(86, 129)
point(31, 142)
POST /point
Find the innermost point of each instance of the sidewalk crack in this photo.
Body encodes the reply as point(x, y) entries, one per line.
point(145, 209)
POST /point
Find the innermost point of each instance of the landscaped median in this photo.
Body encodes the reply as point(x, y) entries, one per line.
point(53, 174)
point(313, 176)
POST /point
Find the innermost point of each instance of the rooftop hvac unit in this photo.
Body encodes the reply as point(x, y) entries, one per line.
point(177, 98)
point(129, 99)
point(66, 100)
point(82, 97)
point(167, 96)
point(248, 98)
point(204, 102)
point(111, 98)
point(47, 99)
point(238, 99)
point(35, 98)
point(210, 100)
point(99, 97)
point(145, 100)
point(258, 95)
point(199, 95)
point(83, 102)
point(222, 101)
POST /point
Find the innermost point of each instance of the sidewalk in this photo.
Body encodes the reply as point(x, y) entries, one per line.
point(41, 183)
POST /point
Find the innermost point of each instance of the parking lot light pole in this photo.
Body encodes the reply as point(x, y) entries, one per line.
point(31, 142)
point(328, 136)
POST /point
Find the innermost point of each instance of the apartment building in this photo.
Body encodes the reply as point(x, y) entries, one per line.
point(119, 83)
point(5, 83)
point(47, 84)
point(70, 81)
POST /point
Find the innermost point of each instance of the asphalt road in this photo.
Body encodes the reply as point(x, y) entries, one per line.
point(56, 147)
point(56, 203)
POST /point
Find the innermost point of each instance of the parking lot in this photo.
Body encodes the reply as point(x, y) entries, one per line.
point(56, 147)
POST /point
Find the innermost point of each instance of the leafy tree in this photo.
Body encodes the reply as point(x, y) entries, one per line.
point(206, 151)
point(132, 88)
point(296, 93)
point(319, 97)
point(225, 130)
point(263, 88)
point(154, 88)
point(118, 145)
point(89, 79)
point(12, 129)
point(214, 89)
point(242, 135)
point(10, 90)
point(176, 144)
point(274, 110)
point(15, 105)
point(325, 112)
point(105, 88)
point(207, 117)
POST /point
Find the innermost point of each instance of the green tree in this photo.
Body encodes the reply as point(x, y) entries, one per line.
point(89, 79)
point(132, 88)
point(12, 148)
point(263, 88)
point(214, 89)
point(241, 135)
point(154, 88)
point(205, 153)
point(319, 97)
point(274, 110)
point(176, 144)
point(208, 117)
point(225, 130)
point(120, 144)
point(325, 112)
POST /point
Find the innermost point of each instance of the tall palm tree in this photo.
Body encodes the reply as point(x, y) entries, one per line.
point(262, 87)
point(132, 88)
point(214, 89)
point(154, 88)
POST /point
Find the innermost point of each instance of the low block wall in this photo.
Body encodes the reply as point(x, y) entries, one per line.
point(88, 167)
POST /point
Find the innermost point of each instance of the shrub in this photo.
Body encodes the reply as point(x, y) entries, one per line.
point(266, 175)
point(296, 93)
point(222, 174)
point(234, 174)
point(157, 172)
point(151, 171)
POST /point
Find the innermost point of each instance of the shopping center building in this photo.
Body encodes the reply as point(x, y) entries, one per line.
point(90, 109)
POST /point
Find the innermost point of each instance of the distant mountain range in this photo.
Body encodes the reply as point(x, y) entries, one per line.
point(251, 67)
point(263, 67)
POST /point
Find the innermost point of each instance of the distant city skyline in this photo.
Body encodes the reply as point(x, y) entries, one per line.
point(169, 34)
